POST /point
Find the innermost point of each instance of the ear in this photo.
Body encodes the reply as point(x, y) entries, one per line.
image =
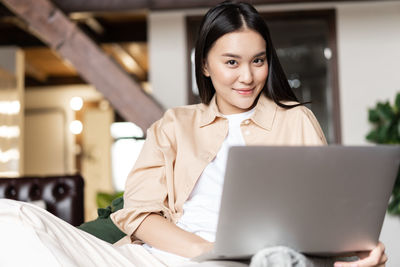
point(205, 69)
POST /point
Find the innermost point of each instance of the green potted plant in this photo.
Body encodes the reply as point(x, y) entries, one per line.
point(385, 119)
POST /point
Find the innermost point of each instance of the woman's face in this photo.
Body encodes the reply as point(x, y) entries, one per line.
point(238, 69)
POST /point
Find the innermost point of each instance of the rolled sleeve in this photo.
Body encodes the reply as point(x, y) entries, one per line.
point(146, 189)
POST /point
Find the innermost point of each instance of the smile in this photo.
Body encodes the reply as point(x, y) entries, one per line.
point(244, 91)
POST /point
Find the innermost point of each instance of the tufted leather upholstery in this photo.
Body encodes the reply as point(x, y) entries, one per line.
point(63, 195)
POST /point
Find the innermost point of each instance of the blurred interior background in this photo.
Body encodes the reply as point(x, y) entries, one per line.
point(80, 81)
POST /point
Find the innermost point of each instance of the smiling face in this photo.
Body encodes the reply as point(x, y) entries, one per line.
point(238, 69)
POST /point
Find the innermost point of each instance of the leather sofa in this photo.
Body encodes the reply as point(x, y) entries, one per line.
point(62, 195)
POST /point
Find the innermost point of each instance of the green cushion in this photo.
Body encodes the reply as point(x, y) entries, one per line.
point(103, 227)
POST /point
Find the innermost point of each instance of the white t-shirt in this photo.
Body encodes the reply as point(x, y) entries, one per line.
point(201, 210)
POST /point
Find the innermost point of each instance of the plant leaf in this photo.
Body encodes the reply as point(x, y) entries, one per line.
point(398, 132)
point(386, 121)
point(383, 134)
point(397, 102)
point(394, 205)
point(372, 136)
point(385, 112)
point(373, 115)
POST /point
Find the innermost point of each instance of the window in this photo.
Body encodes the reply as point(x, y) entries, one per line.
point(128, 142)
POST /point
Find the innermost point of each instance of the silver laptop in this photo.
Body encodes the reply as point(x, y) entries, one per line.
point(323, 200)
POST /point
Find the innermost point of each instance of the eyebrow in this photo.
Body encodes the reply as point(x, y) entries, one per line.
point(237, 56)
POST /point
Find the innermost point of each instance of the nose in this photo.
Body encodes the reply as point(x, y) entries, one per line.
point(246, 75)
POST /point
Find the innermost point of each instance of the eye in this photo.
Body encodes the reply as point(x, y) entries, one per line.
point(259, 61)
point(231, 62)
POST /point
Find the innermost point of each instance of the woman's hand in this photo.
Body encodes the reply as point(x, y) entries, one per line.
point(375, 257)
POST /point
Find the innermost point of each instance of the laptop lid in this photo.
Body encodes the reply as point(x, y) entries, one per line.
point(318, 200)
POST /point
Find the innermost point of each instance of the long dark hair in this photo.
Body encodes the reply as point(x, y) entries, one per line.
point(230, 16)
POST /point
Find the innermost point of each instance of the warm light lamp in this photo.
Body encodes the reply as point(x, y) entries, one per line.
point(76, 103)
point(76, 127)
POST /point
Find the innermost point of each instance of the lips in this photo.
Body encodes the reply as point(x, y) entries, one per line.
point(244, 91)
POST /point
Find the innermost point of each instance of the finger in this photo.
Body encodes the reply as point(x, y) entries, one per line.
point(361, 263)
point(364, 254)
point(384, 259)
point(374, 258)
point(381, 246)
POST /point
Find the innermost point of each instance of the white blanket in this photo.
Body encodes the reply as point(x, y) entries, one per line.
point(31, 236)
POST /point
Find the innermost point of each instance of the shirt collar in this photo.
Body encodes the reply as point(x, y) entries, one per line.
point(263, 115)
point(210, 112)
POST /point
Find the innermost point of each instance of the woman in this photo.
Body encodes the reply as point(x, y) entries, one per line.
point(243, 91)
point(172, 194)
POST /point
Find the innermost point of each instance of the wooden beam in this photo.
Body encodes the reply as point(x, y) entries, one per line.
point(90, 61)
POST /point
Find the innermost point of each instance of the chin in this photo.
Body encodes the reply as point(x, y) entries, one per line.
point(245, 107)
point(246, 103)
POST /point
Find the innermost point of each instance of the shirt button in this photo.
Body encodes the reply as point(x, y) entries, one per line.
point(246, 121)
point(247, 132)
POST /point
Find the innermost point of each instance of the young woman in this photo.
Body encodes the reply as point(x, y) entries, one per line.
point(172, 194)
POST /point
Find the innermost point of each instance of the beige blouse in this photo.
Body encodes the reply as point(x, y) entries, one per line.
point(181, 144)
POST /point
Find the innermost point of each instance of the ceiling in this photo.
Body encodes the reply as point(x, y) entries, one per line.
point(118, 26)
point(122, 35)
